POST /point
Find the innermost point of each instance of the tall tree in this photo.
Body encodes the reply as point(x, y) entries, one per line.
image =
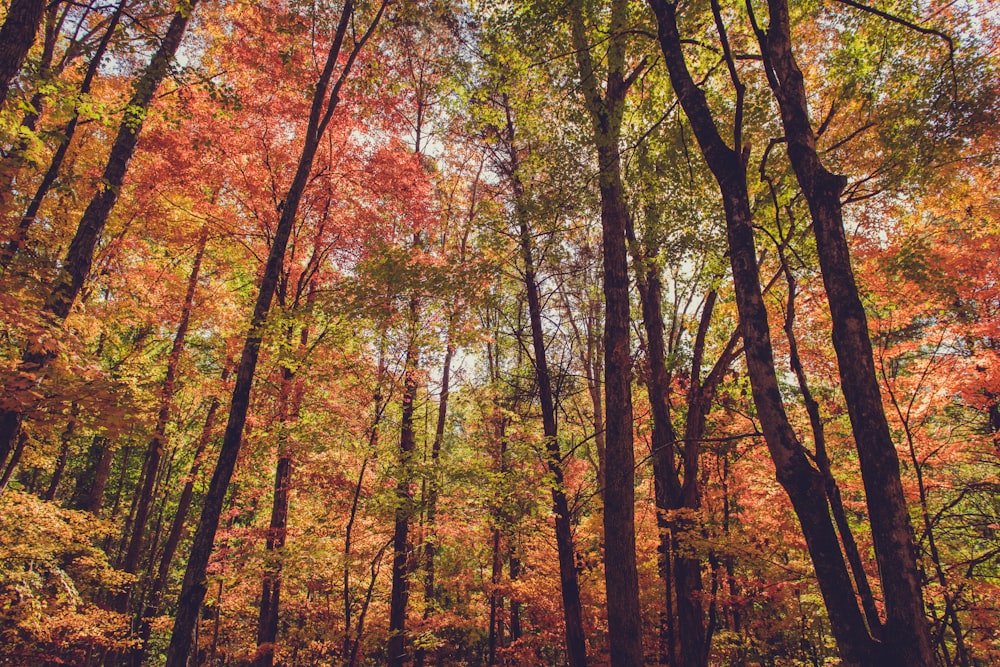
point(906, 631)
point(326, 97)
point(795, 472)
point(606, 108)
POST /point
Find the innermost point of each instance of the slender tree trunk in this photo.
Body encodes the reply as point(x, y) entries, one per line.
point(16, 37)
point(324, 103)
point(576, 643)
point(907, 633)
point(496, 601)
point(514, 567)
point(175, 533)
point(676, 577)
point(433, 489)
point(61, 460)
point(288, 412)
point(396, 647)
point(76, 266)
point(621, 574)
point(17, 241)
point(823, 463)
point(800, 479)
point(155, 449)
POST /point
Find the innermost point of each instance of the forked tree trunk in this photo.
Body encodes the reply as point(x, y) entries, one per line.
point(907, 635)
point(800, 479)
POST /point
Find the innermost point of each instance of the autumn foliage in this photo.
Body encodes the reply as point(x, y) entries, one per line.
point(522, 333)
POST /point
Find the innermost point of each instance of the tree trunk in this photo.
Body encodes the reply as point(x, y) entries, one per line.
point(16, 37)
point(621, 575)
point(404, 508)
point(16, 156)
point(193, 589)
point(907, 634)
point(88, 494)
point(175, 533)
point(155, 449)
point(496, 601)
point(289, 401)
point(433, 488)
point(823, 462)
point(61, 460)
point(576, 644)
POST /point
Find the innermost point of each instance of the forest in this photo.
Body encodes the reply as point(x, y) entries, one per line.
point(439, 333)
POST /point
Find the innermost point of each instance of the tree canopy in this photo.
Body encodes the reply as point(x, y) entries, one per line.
point(421, 333)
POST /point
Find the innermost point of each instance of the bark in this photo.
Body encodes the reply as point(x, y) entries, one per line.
point(350, 647)
point(803, 483)
point(433, 490)
point(325, 99)
point(823, 463)
point(95, 472)
point(16, 157)
point(288, 412)
point(907, 634)
point(496, 601)
point(93, 479)
point(76, 265)
point(60, 467)
point(621, 576)
point(676, 578)
point(8, 469)
point(267, 621)
point(16, 37)
point(514, 567)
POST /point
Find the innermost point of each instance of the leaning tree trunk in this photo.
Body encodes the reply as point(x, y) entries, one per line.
point(576, 642)
point(76, 266)
point(175, 533)
point(20, 235)
point(325, 99)
point(907, 634)
point(157, 444)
